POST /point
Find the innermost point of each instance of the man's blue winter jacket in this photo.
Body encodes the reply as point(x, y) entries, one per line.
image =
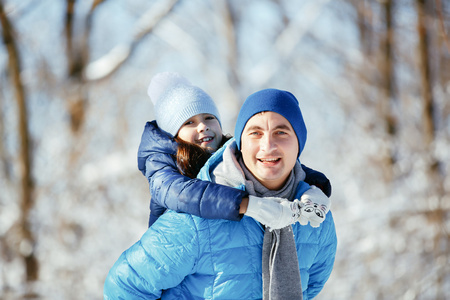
point(182, 256)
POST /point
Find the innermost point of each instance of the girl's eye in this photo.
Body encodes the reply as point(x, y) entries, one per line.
point(188, 123)
point(210, 118)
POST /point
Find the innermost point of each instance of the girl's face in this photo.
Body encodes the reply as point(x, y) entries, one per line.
point(203, 130)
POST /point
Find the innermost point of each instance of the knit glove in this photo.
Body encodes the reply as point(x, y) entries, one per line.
point(273, 212)
point(314, 206)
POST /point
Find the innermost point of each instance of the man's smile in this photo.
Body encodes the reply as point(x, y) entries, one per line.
point(269, 161)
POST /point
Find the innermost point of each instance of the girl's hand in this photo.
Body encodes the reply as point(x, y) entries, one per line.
point(314, 206)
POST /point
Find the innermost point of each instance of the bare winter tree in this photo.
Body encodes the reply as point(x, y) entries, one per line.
point(430, 117)
point(407, 141)
point(26, 243)
point(80, 71)
point(387, 87)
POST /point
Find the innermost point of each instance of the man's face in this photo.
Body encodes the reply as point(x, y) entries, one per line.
point(269, 148)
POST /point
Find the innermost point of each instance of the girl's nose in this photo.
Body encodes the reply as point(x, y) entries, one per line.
point(202, 127)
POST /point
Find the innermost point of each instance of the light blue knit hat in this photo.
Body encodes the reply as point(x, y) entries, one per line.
point(176, 100)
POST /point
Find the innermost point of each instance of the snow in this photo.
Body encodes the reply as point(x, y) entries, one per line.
point(91, 201)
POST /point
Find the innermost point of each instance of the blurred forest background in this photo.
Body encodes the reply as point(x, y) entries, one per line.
point(372, 78)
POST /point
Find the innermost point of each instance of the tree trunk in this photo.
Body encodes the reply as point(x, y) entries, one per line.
point(435, 176)
point(425, 75)
point(27, 242)
point(364, 22)
point(75, 65)
point(387, 90)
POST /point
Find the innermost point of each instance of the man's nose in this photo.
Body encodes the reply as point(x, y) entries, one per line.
point(267, 143)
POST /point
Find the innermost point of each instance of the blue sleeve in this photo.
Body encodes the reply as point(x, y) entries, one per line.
point(318, 179)
point(164, 256)
point(170, 189)
point(321, 269)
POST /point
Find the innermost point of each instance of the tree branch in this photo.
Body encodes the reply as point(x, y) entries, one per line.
point(105, 66)
point(286, 42)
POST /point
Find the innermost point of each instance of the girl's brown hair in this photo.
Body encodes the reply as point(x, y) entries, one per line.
point(191, 157)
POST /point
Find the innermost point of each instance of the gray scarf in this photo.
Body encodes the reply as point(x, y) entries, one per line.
point(280, 268)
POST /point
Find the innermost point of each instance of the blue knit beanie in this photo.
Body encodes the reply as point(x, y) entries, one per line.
point(273, 100)
point(176, 100)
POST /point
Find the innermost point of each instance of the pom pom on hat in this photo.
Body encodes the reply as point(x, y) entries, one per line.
point(176, 100)
point(281, 102)
point(162, 82)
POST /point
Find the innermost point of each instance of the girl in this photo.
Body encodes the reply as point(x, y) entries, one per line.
point(174, 148)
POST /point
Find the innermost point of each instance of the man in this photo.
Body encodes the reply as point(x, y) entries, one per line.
point(186, 257)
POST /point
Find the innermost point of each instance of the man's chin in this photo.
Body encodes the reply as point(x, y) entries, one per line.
point(272, 181)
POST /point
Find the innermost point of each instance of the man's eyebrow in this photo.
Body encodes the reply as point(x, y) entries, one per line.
point(256, 127)
point(253, 127)
point(282, 126)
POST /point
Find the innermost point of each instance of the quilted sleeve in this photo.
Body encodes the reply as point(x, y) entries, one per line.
point(161, 259)
point(323, 263)
point(318, 179)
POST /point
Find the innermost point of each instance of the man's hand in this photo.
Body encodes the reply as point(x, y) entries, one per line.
point(314, 206)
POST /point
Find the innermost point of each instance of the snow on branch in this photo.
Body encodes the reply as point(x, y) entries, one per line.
point(110, 62)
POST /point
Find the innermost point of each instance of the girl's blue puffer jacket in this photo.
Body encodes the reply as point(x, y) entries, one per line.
point(183, 256)
point(170, 189)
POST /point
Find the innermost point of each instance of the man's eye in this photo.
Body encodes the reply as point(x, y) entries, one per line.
point(254, 133)
point(281, 132)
